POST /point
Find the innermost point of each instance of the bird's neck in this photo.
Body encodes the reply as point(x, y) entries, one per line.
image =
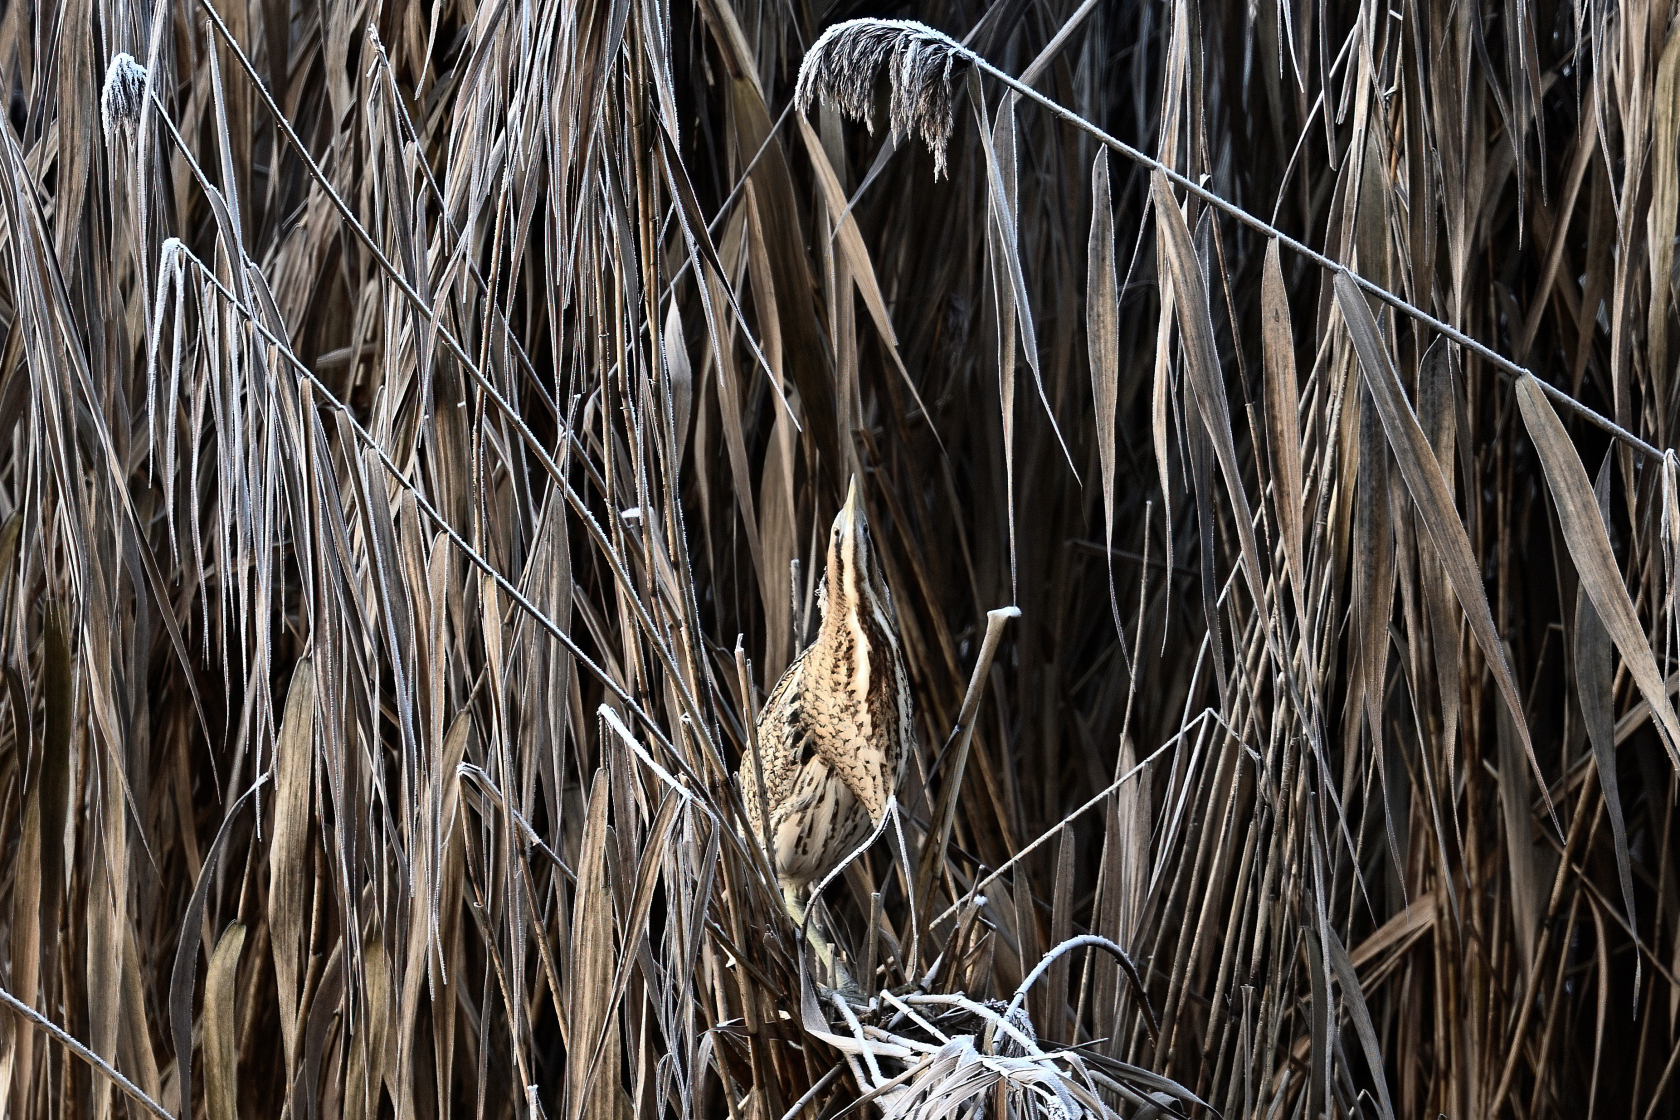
point(837, 603)
point(836, 622)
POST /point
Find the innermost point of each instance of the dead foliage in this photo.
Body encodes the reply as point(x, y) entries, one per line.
point(418, 424)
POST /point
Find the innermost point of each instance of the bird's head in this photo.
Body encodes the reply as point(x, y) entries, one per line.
point(852, 582)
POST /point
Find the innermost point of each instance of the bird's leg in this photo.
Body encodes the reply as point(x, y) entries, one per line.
point(795, 898)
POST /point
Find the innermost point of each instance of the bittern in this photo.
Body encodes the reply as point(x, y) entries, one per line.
point(838, 726)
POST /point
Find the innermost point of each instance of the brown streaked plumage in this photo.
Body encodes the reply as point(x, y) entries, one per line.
point(838, 726)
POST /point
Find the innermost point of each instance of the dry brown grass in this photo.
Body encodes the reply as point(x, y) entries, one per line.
point(418, 423)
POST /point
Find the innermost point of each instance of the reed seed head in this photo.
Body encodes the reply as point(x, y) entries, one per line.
point(125, 92)
point(923, 66)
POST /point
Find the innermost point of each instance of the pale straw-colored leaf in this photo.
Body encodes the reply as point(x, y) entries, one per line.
point(221, 1046)
point(1589, 547)
point(1428, 488)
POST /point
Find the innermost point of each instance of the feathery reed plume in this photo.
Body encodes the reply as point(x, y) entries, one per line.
point(125, 90)
point(924, 66)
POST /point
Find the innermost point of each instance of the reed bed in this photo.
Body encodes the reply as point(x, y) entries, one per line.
point(419, 425)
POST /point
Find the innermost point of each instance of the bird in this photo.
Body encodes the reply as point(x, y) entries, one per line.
point(837, 727)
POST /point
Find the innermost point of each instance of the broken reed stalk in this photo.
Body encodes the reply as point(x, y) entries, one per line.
point(933, 851)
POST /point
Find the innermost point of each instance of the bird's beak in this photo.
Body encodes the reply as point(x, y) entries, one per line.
point(850, 510)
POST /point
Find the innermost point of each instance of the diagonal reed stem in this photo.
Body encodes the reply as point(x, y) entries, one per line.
point(1504, 365)
point(94, 1061)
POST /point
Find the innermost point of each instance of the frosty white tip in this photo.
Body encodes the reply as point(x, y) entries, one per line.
point(125, 92)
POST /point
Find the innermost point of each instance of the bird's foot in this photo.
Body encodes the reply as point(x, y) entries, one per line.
point(848, 988)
